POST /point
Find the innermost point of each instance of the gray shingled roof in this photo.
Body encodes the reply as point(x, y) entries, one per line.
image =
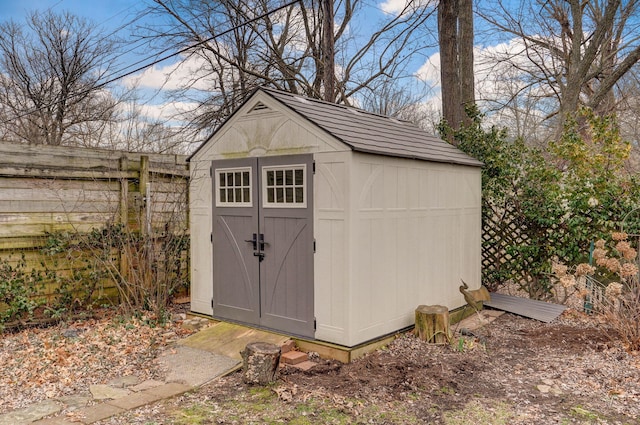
point(367, 132)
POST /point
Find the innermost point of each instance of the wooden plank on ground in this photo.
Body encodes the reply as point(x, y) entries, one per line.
point(228, 339)
point(533, 309)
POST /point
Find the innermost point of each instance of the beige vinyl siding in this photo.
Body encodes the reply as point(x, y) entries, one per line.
point(391, 232)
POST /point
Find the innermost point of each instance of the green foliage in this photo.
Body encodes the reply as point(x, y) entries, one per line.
point(146, 271)
point(555, 201)
point(19, 289)
point(76, 288)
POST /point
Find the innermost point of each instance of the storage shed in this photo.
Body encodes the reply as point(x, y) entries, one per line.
point(327, 222)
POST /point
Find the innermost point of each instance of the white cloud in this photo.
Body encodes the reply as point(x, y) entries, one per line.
point(503, 84)
point(429, 72)
point(395, 7)
point(500, 70)
point(172, 111)
point(192, 71)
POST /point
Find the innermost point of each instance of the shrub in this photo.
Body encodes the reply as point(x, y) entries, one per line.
point(19, 291)
point(146, 268)
point(611, 286)
point(543, 204)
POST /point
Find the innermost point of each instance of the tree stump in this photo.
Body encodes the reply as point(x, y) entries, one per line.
point(432, 323)
point(260, 362)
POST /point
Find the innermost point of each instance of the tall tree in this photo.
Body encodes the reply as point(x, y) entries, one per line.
point(328, 51)
point(577, 51)
point(244, 44)
point(455, 36)
point(50, 74)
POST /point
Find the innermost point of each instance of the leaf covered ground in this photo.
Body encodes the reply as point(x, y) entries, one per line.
point(515, 371)
point(42, 363)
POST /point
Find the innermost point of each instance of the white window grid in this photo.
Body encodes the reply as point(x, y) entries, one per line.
point(233, 187)
point(284, 186)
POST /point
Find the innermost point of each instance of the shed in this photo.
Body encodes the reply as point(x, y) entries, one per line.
point(328, 222)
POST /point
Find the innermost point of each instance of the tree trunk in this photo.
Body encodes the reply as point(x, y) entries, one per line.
point(432, 323)
point(260, 362)
point(465, 58)
point(328, 53)
point(449, 76)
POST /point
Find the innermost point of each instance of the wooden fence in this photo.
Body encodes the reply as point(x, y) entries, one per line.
point(47, 189)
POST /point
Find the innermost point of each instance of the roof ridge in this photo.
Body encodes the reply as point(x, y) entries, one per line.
point(340, 105)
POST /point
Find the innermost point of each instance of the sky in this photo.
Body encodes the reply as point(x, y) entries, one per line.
point(112, 15)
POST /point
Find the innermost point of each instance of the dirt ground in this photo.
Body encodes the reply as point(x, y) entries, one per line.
point(514, 371)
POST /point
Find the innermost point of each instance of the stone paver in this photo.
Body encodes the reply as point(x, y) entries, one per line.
point(75, 401)
point(134, 400)
point(31, 413)
point(145, 385)
point(55, 421)
point(98, 412)
point(193, 366)
point(124, 381)
point(168, 390)
point(104, 392)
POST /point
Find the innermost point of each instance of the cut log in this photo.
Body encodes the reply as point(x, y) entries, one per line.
point(432, 323)
point(260, 362)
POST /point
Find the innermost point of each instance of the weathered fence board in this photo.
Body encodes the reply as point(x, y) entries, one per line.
point(47, 189)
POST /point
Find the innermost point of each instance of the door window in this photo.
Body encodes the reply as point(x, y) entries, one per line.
point(234, 187)
point(284, 186)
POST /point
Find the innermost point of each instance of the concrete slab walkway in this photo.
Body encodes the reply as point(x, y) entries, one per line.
point(193, 366)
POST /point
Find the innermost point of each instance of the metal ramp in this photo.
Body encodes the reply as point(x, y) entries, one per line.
point(533, 309)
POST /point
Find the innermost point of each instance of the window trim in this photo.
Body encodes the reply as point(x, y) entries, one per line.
point(217, 187)
point(284, 167)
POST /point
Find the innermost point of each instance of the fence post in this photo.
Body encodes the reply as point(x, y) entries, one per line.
point(145, 193)
point(124, 193)
point(124, 215)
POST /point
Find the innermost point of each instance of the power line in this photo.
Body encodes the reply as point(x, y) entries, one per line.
point(156, 61)
point(199, 43)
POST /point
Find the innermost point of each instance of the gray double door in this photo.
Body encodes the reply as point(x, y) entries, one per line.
point(263, 242)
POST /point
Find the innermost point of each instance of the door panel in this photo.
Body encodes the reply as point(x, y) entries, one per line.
point(236, 289)
point(269, 283)
point(287, 298)
point(286, 280)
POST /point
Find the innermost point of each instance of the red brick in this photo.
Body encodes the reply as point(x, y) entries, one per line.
point(287, 346)
point(294, 357)
point(306, 365)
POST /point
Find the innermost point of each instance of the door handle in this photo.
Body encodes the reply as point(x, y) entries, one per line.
point(254, 242)
point(262, 242)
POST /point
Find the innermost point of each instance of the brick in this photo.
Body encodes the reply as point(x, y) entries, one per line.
point(168, 390)
point(306, 365)
point(294, 357)
point(98, 412)
point(134, 400)
point(287, 346)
